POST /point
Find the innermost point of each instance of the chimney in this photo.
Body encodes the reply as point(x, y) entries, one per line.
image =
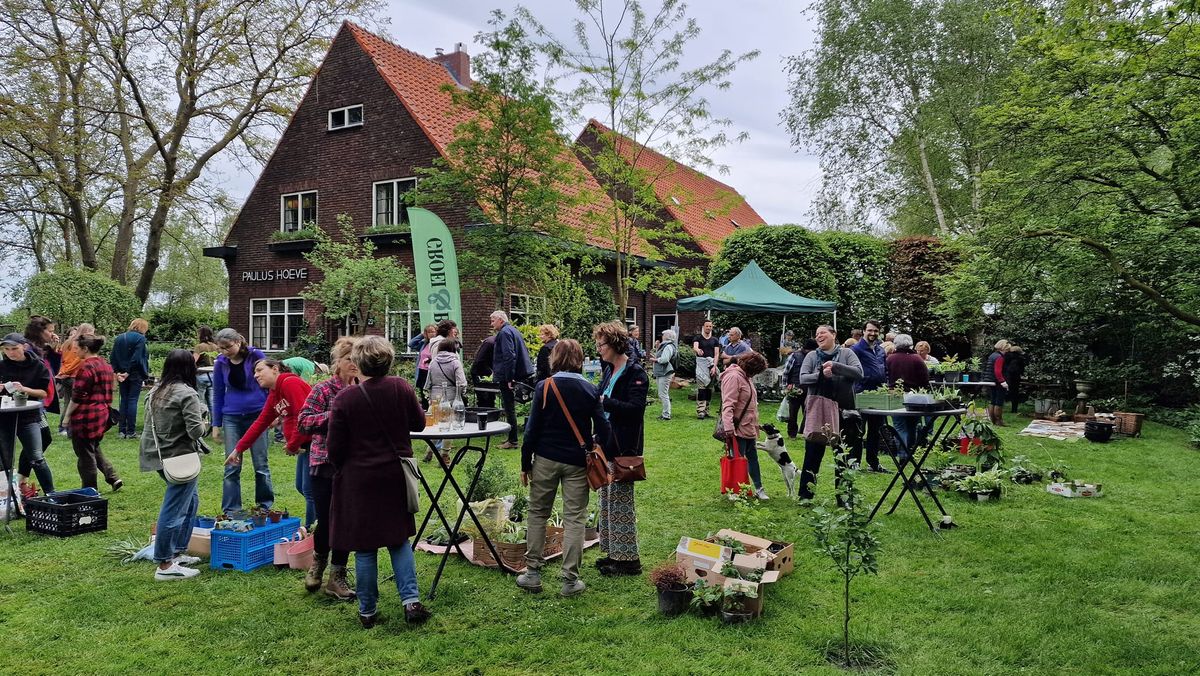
point(457, 62)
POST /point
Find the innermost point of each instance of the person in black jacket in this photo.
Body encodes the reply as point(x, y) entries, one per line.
point(795, 391)
point(1014, 373)
point(549, 336)
point(481, 368)
point(564, 404)
point(623, 387)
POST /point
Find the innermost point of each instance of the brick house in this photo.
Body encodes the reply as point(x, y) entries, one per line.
point(373, 114)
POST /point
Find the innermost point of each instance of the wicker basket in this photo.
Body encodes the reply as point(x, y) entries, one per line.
point(554, 541)
point(1129, 423)
point(513, 555)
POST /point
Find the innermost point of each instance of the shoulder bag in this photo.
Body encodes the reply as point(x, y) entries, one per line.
point(412, 471)
point(598, 474)
point(627, 468)
point(180, 469)
point(719, 430)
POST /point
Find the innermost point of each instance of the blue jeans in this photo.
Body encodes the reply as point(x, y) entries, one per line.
point(131, 390)
point(175, 520)
point(304, 487)
point(747, 448)
point(366, 576)
point(31, 458)
point(204, 387)
point(233, 427)
point(906, 429)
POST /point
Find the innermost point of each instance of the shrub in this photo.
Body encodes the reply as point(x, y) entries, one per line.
point(533, 340)
point(71, 296)
point(180, 325)
point(685, 365)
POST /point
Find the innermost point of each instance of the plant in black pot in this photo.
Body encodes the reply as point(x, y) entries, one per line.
point(733, 607)
point(1025, 471)
point(674, 592)
point(707, 597)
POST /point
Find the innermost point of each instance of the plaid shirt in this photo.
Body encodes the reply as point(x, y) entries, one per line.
point(93, 394)
point(314, 419)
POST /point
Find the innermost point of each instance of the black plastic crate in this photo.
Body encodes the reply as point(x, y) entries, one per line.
point(66, 514)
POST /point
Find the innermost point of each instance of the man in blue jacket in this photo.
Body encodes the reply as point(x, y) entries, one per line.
point(510, 363)
point(130, 361)
point(871, 355)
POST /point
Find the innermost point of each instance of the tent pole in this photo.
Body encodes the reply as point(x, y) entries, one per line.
point(835, 322)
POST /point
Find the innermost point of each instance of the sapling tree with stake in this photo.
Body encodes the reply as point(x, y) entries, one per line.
point(844, 533)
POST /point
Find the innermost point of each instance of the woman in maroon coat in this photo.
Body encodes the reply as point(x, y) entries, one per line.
point(368, 432)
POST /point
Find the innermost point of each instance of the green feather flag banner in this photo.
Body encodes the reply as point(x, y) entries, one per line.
point(436, 264)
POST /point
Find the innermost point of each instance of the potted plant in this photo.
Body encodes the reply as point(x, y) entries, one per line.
point(975, 368)
point(706, 597)
point(554, 534)
point(258, 516)
point(510, 545)
point(274, 515)
point(735, 596)
point(983, 486)
point(674, 593)
point(387, 234)
point(980, 438)
point(950, 368)
point(1058, 471)
point(1024, 471)
point(304, 239)
point(590, 528)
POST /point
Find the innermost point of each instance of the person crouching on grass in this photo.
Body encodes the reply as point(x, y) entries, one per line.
point(287, 393)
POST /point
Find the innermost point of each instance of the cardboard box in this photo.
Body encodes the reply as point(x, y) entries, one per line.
point(780, 560)
point(200, 544)
point(698, 558)
point(755, 605)
point(1076, 490)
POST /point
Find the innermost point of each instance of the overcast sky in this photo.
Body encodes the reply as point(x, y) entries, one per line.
point(778, 181)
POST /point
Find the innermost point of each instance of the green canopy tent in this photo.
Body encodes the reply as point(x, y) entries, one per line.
point(753, 291)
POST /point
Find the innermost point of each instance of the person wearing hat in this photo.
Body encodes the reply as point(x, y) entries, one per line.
point(22, 370)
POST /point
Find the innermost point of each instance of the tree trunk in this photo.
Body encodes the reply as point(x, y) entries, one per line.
point(158, 223)
point(930, 186)
point(846, 611)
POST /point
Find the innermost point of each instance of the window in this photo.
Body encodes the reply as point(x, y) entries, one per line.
point(275, 322)
point(343, 118)
point(392, 200)
point(403, 324)
point(662, 323)
point(735, 223)
point(298, 210)
point(523, 309)
point(630, 315)
point(675, 200)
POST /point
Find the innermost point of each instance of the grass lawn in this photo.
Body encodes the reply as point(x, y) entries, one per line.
point(1034, 583)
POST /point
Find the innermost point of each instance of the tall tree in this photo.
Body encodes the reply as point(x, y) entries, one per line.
point(508, 161)
point(1103, 124)
point(128, 103)
point(627, 66)
point(888, 98)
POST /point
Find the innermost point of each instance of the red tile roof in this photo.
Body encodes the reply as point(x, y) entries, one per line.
point(708, 209)
point(418, 82)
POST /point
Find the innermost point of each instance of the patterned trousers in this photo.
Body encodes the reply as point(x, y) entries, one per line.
point(618, 522)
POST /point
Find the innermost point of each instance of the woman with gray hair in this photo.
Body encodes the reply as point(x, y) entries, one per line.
point(665, 356)
point(906, 368)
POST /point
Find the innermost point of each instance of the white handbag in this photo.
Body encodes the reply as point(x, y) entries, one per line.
point(180, 469)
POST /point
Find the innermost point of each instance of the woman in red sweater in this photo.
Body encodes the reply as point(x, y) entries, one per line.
point(287, 393)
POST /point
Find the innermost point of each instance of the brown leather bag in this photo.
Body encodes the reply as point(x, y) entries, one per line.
point(628, 468)
point(598, 474)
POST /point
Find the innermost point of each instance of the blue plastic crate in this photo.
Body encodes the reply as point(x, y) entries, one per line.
point(252, 549)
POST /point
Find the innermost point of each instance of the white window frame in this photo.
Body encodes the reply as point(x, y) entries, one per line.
point(398, 210)
point(412, 320)
point(628, 321)
point(525, 312)
point(286, 314)
point(299, 209)
point(347, 124)
point(656, 331)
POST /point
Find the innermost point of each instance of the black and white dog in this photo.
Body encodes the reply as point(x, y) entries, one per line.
point(773, 446)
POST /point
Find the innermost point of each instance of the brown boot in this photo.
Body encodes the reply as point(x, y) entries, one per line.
point(999, 416)
point(428, 456)
point(312, 579)
point(337, 587)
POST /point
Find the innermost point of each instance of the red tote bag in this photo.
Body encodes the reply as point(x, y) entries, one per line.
point(734, 470)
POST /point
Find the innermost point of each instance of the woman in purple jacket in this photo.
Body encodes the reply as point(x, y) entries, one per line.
point(237, 401)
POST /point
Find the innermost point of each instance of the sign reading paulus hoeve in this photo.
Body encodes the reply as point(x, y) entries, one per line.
point(436, 265)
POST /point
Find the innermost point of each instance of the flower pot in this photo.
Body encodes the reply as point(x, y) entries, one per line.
point(709, 609)
point(951, 376)
point(275, 516)
point(989, 495)
point(735, 616)
point(965, 444)
point(1098, 432)
point(554, 541)
point(205, 522)
point(675, 600)
point(258, 521)
point(590, 533)
point(1084, 386)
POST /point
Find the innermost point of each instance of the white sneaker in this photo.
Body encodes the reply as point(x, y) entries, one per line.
point(185, 559)
point(175, 572)
point(762, 494)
